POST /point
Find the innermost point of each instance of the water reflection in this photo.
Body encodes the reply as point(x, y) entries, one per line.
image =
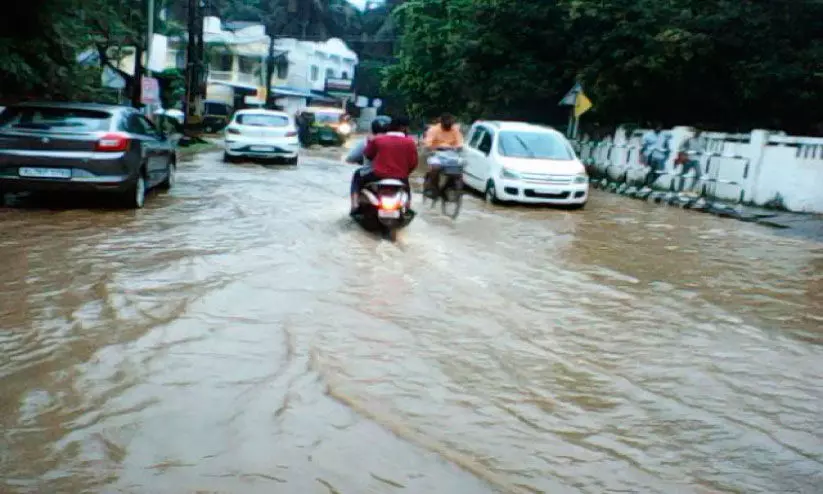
point(238, 336)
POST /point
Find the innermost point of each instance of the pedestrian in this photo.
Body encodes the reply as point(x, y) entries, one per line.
point(658, 156)
point(688, 157)
point(647, 143)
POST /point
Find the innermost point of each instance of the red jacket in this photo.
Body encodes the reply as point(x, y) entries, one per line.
point(393, 155)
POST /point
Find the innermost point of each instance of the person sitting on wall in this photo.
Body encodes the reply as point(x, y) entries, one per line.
point(688, 157)
point(658, 157)
point(648, 142)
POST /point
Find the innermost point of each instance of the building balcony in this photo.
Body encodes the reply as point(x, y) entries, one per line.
point(220, 75)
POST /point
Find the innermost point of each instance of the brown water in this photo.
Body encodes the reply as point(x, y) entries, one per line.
point(239, 335)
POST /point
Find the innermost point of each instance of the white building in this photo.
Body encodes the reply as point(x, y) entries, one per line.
point(237, 64)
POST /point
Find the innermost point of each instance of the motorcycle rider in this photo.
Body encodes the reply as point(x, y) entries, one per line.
point(393, 155)
point(443, 135)
point(379, 125)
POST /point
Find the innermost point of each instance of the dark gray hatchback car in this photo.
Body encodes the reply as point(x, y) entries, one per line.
point(83, 147)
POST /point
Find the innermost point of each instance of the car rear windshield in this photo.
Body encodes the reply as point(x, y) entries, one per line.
point(55, 119)
point(262, 120)
point(534, 145)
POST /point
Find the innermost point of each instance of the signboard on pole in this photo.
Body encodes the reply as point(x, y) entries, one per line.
point(340, 88)
point(149, 91)
point(571, 97)
point(582, 104)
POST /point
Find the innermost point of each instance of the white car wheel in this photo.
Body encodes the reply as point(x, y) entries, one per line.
point(491, 193)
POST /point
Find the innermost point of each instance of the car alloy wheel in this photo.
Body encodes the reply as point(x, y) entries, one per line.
point(139, 192)
point(171, 177)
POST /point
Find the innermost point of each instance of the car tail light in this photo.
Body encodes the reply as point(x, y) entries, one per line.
point(233, 131)
point(291, 134)
point(112, 142)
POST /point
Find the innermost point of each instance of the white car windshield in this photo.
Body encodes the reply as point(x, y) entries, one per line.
point(262, 120)
point(322, 117)
point(533, 145)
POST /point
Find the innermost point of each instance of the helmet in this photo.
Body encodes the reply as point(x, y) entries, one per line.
point(380, 125)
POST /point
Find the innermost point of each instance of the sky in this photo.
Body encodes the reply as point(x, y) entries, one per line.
point(358, 3)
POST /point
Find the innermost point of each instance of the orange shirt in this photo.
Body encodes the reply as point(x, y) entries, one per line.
point(437, 137)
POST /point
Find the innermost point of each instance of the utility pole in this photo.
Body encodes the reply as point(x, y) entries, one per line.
point(149, 37)
point(194, 61)
point(137, 85)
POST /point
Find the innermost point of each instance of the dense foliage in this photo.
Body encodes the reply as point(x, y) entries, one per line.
point(731, 64)
point(41, 41)
point(714, 63)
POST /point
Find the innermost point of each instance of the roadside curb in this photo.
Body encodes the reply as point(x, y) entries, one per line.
point(811, 225)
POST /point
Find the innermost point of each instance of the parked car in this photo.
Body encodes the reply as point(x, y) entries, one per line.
point(520, 162)
point(256, 133)
point(326, 126)
point(84, 147)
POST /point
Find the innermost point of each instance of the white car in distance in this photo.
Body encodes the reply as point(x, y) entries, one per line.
point(526, 163)
point(258, 133)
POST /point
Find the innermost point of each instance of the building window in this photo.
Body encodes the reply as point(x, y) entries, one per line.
point(329, 73)
point(315, 72)
point(248, 65)
point(282, 68)
point(221, 62)
point(345, 75)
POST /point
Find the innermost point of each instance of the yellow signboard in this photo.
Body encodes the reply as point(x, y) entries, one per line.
point(582, 104)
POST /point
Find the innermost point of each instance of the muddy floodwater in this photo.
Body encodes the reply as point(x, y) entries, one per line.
point(240, 335)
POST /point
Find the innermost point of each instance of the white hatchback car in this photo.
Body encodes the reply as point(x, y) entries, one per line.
point(258, 133)
point(520, 162)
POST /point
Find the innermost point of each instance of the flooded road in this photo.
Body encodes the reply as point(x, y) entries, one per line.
point(240, 335)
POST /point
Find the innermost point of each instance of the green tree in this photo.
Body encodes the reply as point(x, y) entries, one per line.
point(716, 63)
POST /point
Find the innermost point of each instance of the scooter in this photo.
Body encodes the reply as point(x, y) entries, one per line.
point(384, 207)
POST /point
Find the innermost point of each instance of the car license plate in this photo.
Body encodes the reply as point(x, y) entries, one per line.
point(45, 172)
point(261, 148)
point(388, 214)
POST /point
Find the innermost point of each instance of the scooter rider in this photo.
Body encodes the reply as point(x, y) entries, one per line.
point(393, 155)
point(443, 135)
point(379, 126)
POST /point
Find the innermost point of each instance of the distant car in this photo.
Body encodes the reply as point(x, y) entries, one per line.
point(172, 113)
point(520, 162)
point(83, 147)
point(327, 126)
point(256, 133)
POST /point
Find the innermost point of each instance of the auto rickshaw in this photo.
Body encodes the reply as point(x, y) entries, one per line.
point(326, 126)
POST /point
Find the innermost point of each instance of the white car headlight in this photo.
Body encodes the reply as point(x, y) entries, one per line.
point(581, 179)
point(506, 173)
point(344, 128)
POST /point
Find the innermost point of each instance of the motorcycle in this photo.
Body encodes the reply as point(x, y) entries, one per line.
point(384, 207)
